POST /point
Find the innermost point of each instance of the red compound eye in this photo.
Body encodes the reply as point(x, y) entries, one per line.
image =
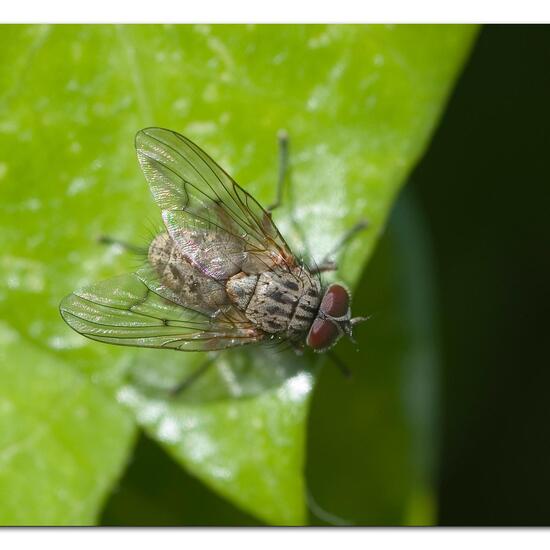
point(322, 334)
point(335, 301)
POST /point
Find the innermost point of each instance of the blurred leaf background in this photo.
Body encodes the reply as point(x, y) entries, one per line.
point(360, 103)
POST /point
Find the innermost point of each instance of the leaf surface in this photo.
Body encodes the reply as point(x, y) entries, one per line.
point(359, 103)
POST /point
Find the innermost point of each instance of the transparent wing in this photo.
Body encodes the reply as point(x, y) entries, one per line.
point(129, 310)
point(217, 225)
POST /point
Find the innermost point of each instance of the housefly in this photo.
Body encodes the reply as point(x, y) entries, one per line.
point(221, 274)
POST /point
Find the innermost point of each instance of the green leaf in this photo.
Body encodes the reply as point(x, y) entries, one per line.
point(359, 103)
point(62, 441)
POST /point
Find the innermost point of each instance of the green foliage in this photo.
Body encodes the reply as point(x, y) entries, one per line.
point(63, 442)
point(359, 104)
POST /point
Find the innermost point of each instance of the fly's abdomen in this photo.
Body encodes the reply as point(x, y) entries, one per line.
point(192, 288)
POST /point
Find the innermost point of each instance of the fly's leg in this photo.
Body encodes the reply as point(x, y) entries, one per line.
point(105, 239)
point(327, 264)
point(339, 363)
point(324, 266)
point(174, 390)
point(282, 138)
point(185, 384)
point(284, 175)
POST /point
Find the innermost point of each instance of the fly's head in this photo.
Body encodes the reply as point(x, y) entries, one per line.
point(333, 319)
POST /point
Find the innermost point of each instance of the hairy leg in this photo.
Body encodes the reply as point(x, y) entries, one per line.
point(185, 384)
point(282, 138)
point(327, 264)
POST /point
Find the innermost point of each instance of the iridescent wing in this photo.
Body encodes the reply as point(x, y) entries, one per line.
point(136, 310)
point(220, 228)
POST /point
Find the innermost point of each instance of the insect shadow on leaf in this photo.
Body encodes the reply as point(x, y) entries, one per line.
point(219, 276)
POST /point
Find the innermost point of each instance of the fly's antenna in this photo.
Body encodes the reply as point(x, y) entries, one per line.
point(348, 327)
point(356, 320)
point(339, 363)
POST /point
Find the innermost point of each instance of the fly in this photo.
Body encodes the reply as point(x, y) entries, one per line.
point(220, 276)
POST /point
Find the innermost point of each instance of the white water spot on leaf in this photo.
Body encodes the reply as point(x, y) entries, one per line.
point(297, 387)
point(100, 109)
point(257, 423)
point(97, 164)
point(36, 328)
point(150, 412)
point(76, 51)
point(320, 41)
point(3, 170)
point(279, 58)
point(42, 103)
point(34, 241)
point(82, 412)
point(75, 147)
point(225, 118)
point(202, 29)
point(202, 128)
point(56, 342)
point(379, 60)
point(22, 274)
point(211, 93)
point(78, 185)
point(7, 334)
point(128, 396)
point(25, 136)
point(318, 98)
point(6, 406)
point(221, 473)
point(72, 85)
point(232, 412)
point(70, 340)
point(124, 103)
point(199, 446)
point(9, 126)
point(189, 422)
point(169, 430)
point(181, 105)
point(33, 204)
point(217, 46)
point(338, 70)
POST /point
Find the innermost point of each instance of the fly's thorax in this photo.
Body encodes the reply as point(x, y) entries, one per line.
point(306, 309)
point(278, 301)
point(190, 287)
